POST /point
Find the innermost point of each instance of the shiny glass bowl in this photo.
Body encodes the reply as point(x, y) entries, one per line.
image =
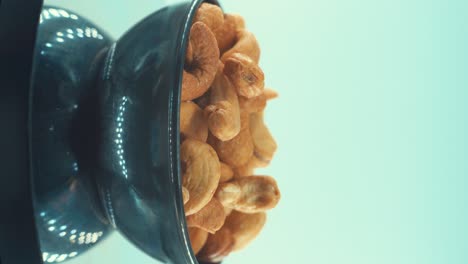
point(105, 133)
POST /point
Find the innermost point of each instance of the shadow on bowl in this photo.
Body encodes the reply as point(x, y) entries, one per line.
point(105, 133)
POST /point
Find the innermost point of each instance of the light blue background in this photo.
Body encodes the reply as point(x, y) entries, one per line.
point(371, 126)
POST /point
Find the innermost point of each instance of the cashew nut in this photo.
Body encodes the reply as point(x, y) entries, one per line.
point(249, 194)
point(211, 15)
point(270, 93)
point(265, 144)
point(198, 238)
point(245, 75)
point(244, 227)
point(185, 195)
point(217, 246)
point(201, 175)
point(226, 172)
point(192, 122)
point(223, 112)
point(210, 218)
point(246, 44)
point(200, 73)
point(237, 151)
point(254, 104)
point(227, 33)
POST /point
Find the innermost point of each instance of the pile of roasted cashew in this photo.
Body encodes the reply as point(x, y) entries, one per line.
point(224, 137)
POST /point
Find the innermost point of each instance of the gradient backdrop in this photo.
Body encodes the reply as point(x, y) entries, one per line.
point(371, 125)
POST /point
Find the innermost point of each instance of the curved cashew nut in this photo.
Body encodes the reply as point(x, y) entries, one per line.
point(210, 218)
point(223, 112)
point(199, 74)
point(211, 15)
point(198, 238)
point(246, 44)
point(202, 172)
point(227, 33)
point(244, 227)
point(265, 144)
point(217, 247)
point(192, 122)
point(237, 151)
point(245, 74)
point(270, 93)
point(254, 104)
point(249, 194)
point(185, 195)
point(226, 172)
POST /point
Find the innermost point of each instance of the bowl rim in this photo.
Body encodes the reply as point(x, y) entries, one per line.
point(174, 128)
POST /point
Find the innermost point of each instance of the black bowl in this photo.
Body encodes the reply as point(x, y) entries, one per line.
point(105, 133)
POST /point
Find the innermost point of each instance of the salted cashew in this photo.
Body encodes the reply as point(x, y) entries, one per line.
point(199, 74)
point(201, 173)
point(185, 195)
point(226, 172)
point(192, 122)
point(249, 194)
point(210, 218)
point(254, 104)
point(265, 144)
point(270, 93)
point(218, 246)
point(198, 238)
point(246, 44)
point(211, 15)
point(237, 151)
point(244, 227)
point(223, 112)
point(245, 75)
point(226, 34)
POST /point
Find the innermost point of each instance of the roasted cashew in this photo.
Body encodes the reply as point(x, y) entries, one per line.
point(226, 172)
point(246, 44)
point(254, 104)
point(237, 151)
point(200, 73)
point(201, 175)
point(198, 238)
point(211, 15)
point(270, 93)
point(193, 122)
point(249, 194)
point(265, 144)
point(185, 195)
point(244, 227)
point(227, 33)
point(217, 246)
point(245, 75)
point(223, 112)
point(210, 218)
